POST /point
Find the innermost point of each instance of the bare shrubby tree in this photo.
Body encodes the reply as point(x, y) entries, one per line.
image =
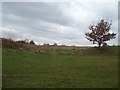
point(9, 35)
point(99, 33)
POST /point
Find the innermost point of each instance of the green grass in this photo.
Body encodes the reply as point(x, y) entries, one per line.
point(0, 67)
point(50, 70)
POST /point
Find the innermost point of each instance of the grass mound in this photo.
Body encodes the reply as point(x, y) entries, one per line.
point(107, 50)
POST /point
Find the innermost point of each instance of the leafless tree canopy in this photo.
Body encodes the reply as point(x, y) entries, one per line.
point(99, 33)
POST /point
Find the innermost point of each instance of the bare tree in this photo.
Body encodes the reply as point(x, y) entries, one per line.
point(9, 35)
point(99, 33)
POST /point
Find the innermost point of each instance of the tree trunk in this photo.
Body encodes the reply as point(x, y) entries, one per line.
point(99, 45)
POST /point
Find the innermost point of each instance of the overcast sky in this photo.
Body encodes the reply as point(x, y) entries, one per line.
point(60, 22)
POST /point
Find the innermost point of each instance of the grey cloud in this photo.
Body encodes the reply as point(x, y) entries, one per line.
point(34, 11)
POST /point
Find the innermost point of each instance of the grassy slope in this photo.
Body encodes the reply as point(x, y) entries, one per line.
point(24, 69)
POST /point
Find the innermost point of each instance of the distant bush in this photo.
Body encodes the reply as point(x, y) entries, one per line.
point(63, 45)
point(32, 42)
point(26, 41)
point(21, 41)
point(55, 44)
point(114, 45)
point(46, 44)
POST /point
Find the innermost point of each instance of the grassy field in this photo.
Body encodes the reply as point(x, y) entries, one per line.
point(59, 69)
point(0, 68)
